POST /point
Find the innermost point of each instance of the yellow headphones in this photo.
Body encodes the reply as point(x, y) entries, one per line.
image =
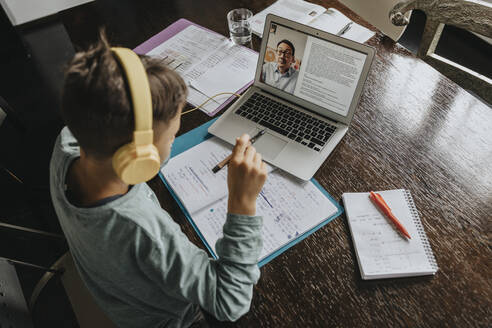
point(139, 160)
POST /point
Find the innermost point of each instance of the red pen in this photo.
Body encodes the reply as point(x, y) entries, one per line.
point(381, 204)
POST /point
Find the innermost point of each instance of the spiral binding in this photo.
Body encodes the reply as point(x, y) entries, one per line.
point(420, 230)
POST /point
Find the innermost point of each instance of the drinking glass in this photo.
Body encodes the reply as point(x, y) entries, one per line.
point(239, 25)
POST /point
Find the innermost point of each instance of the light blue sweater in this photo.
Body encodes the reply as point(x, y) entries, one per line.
point(141, 269)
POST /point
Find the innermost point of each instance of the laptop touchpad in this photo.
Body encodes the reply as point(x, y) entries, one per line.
point(269, 146)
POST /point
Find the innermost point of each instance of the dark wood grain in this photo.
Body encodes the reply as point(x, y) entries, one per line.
point(413, 129)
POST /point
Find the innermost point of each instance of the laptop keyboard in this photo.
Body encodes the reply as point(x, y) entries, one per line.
point(295, 125)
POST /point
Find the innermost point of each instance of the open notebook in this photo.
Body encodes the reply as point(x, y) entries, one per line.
point(329, 20)
point(381, 251)
point(291, 208)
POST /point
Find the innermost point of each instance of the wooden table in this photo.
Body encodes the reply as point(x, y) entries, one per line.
point(413, 129)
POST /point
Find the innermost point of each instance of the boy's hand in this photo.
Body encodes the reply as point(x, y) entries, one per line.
point(245, 177)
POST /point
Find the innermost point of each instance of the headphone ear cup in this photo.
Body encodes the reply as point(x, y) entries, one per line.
point(133, 169)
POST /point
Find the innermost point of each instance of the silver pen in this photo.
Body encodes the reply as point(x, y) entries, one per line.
point(344, 29)
point(226, 160)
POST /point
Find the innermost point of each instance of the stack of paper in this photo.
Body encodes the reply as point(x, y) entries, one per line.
point(209, 63)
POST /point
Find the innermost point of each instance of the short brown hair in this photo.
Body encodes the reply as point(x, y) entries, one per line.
point(96, 104)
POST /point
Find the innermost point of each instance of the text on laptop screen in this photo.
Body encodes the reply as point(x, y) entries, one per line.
point(315, 70)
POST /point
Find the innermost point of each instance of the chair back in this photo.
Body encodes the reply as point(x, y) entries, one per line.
point(13, 307)
point(87, 312)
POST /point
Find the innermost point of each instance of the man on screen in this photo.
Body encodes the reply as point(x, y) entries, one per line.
point(281, 74)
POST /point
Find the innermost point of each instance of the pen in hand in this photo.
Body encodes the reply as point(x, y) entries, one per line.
point(226, 160)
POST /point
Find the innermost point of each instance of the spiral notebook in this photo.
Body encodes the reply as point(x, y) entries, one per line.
point(381, 251)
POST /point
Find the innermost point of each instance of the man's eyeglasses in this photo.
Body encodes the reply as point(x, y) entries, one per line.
point(286, 53)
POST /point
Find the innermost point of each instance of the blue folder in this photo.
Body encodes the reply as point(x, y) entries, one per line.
point(194, 137)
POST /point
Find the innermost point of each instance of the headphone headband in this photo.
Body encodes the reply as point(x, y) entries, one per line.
point(139, 87)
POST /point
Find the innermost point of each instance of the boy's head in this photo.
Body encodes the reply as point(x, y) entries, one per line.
point(97, 108)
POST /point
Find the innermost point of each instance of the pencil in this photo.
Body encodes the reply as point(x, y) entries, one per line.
point(226, 160)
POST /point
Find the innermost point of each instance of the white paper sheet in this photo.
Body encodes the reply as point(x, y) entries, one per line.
point(381, 251)
point(289, 206)
point(236, 70)
point(358, 33)
point(333, 21)
point(195, 52)
point(191, 177)
point(329, 20)
point(297, 10)
point(197, 98)
point(190, 46)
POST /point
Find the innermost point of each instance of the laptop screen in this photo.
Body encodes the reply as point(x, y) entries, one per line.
point(310, 68)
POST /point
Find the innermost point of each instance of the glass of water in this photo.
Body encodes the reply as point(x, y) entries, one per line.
point(239, 25)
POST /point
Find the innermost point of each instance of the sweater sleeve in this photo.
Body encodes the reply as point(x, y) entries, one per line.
point(222, 287)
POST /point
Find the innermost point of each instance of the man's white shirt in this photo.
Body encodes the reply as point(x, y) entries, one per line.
point(272, 76)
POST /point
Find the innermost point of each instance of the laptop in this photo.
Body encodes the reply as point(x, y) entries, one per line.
point(306, 89)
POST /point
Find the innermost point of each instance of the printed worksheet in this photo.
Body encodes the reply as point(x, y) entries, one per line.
point(195, 52)
point(189, 48)
point(239, 66)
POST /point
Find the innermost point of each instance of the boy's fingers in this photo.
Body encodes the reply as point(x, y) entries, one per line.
point(240, 147)
point(250, 154)
point(257, 160)
point(263, 167)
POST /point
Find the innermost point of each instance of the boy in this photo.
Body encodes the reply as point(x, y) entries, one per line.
point(139, 266)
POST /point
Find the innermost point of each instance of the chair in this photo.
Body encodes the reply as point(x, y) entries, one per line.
point(87, 312)
point(12, 302)
point(13, 130)
point(13, 309)
point(471, 15)
point(12, 134)
point(15, 313)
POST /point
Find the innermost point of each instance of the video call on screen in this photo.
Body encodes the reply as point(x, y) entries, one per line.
point(315, 70)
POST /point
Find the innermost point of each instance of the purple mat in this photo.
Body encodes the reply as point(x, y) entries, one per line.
point(172, 30)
